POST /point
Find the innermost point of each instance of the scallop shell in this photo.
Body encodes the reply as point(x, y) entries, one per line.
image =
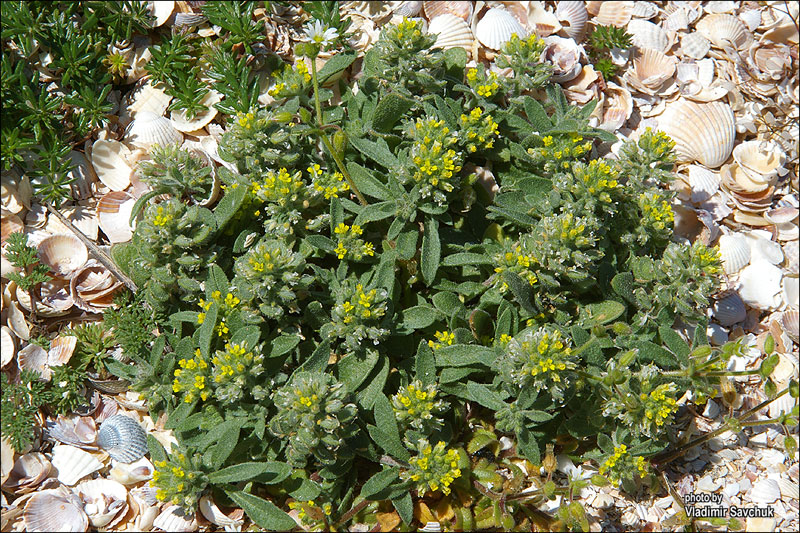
point(105, 501)
point(611, 13)
point(149, 129)
point(703, 132)
point(565, 56)
point(790, 320)
point(110, 164)
point(677, 20)
point(28, 473)
point(63, 254)
point(113, 215)
point(722, 29)
point(123, 438)
point(462, 10)
point(496, 27)
point(131, 473)
point(573, 17)
point(185, 124)
point(652, 73)
point(79, 431)
point(644, 10)
point(734, 251)
point(453, 32)
point(761, 285)
point(648, 35)
point(73, 464)
point(54, 510)
point(695, 45)
point(729, 310)
point(8, 346)
point(703, 182)
point(762, 162)
point(173, 518)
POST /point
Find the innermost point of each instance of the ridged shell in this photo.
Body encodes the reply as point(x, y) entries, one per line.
point(188, 20)
point(703, 132)
point(717, 335)
point(61, 350)
point(185, 124)
point(760, 285)
point(146, 97)
point(93, 288)
point(703, 182)
point(751, 18)
point(131, 473)
point(54, 510)
point(542, 22)
point(695, 45)
point(677, 20)
point(79, 431)
point(652, 73)
point(214, 515)
point(408, 9)
point(648, 35)
point(453, 32)
point(63, 254)
point(644, 10)
point(611, 13)
point(73, 464)
point(790, 320)
point(113, 215)
point(617, 107)
point(110, 164)
point(573, 17)
point(462, 10)
point(729, 310)
point(123, 438)
point(496, 27)
point(82, 174)
point(721, 29)
point(33, 357)
point(760, 161)
point(149, 129)
point(54, 298)
point(565, 56)
point(8, 346)
point(765, 491)
point(738, 182)
point(105, 501)
point(734, 252)
point(28, 472)
point(173, 519)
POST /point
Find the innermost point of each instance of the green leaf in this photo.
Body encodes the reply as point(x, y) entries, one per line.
point(375, 212)
point(335, 65)
point(321, 242)
point(419, 316)
point(377, 151)
point(391, 446)
point(405, 507)
point(229, 205)
point(179, 415)
point(367, 183)
point(644, 268)
point(406, 245)
point(123, 255)
point(247, 471)
point(528, 445)
point(378, 482)
point(264, 513)
point(385, 417)
point(391, 108)
point(521, 290)
point(653, 353)
point(224, 447)
point(605, 443)
point(425, 364)
point(537, 116)
point(485, 396)
point(157, 451)
point(603, 312)
point(354, 368)
point(248, 335)
point(464, 354)
point(675, 343)
point(283, 344)
point(217, 280)
point(431, 250)
point(623, 285)
point(466, 258)
point(205, 333)
point(455, 60)
point(377, 379)
point(318, 360)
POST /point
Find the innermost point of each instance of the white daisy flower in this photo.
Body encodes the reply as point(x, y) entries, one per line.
point(320, 34)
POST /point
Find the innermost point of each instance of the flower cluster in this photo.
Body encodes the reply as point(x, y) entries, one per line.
point(283, 194)
point(416, 406)
point(328, 184)
point(433, 468)
point(484, 84)
point(478, 130)
point(443, 338)
point(407, 61)
point(537, 359)
point(656, 210)
point(291, 80)
point(226, 306)
point(524, 57)
point(233, 371)
point(646, 412)
point(179, 480)
point(559, 152)
point(565, 241)
point(259, 139)
point(436, 164)
point(315, 414)
point(657, 145)
point(518, 260)
point(191, 378)
point(598, 178)
point(705, 259)
point(349, 244)
point(357, 315)
point(622, 465)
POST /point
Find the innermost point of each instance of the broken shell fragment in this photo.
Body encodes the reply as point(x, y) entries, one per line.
point(173, 518)
point(28, 473)
point(183, 123)
point(105, 501)
point(73, 464)
point(611, 13)
point(79, 431)
point(55, 510)
point(131, 473)
point(113, 215)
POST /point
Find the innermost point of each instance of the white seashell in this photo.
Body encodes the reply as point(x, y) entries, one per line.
point(34, 357)
point(122, 438)
point(763, 248)
point(791, 290)
point(611, 13)
point(703, 132)
point(765, 491)
point(738, 182)
point(17, 322)
point(149, 129)
point(496, 27)
point(644, 10)
point(751, 18)
point(8, 346)
point(790, 320)
point(408, 9)
point(110, 164)
point(542, 22)
point(28, 472)
point(762, 162)
point(61, 350)
point(73, 464)
point(105, 501)
point(453, 32)
point(704, 183)
point(55, 510)
point(83, 218)
point(695, 45)
point(77, 431)
point(722, 29)
point(565, 56)
point(113, 215)
point(652, 73)
point(146, 97)
point(161, 10)
point(462, 10)
point(93, 288)
point(83, 175)
point(648, 35)
point(761, 285)
point(63, 254)
point(734, 251)
point(173, 519)
point(573, 17)
point(214, 515)
point(6, 459)
point(432, 526)
point(617, 107)
point(717, 335)
point(54, 298)
point(729, 310)
point(131, 473)
point(185, 124)
point(15, 193)
point(677, 20)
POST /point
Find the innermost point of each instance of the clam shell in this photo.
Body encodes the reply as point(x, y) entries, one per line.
point(110, 164)
point(123, 438)
point(734, 251)
point(703, 182)
point(54, 298)
point(15, 193)
point(652, 73)
point(131, 473)
point(28, 472)
point(173, 519)
point(565, 56)
point(611, 13)
point(729, 309)
point(453, 32)
point(54, 510)
point(703, 132)
point(161, 10)
point(11, 224)
point(79, 431)
point(93, 287)
point(8, 346)
point(146, 97)
point(17, 322)
point(765, 491)
point(105, 501)
point(617, 107)
point(496, 27)
point(462, 10)
point(113, 215)
point(760, 285)
point(573, 17)
point(648, 35)
point(63, 254)
point(762, 162)
point(214, 515)
point(73, 464)
point(83, 218)
point(790, 320)
point(751, 18)
point(695, 45)
point(185, 124)
point(737, 181)
point(722, 29)
point(61, 350)
point(717, 335)
point(149, 129)
point(34, 357)
point(408, 9)
point(188, 20)
point(763, 248)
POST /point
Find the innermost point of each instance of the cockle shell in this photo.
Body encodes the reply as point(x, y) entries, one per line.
point(105, 501)
point(617, 107)
point(63, 254)
point(113, 215)
point(462, 10)
point(648, 35)
point(61, 350)
point(109, 159)
point(408, 9)
point(677, 20)
point(790, 320)
point(722, 29)
point(82, 217)
point(542, 22)
point(611, 13)
point(122, 438)
point(729, 309)
point(79, 431)
point(761, 285)
point(28, 472)
point(149, 129)
point(33, 357)
point(703, 132)
point(83, 175)
point(188, 20)
point(55, 510)
point(573, 17)
point(452, 32)
point(131, 473)
point(174, 519)
point(496, 27)
point(145, 97)
point(15, 193)
point(54, 298)
point(93, 288)
point(652, 73)
point(565, 56)
point(734, 252)
point(695, 45)
point(703, 182)
point(761, 161)
point(73, 464)
point(183, 123)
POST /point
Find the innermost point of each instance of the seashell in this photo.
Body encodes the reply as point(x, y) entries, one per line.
point(734, 251)
point(408, 9)
point(15, 193)
point(751, 18)
point(79, 431)
point(703, 132)
point(161, 10)
point(11, 224)
point(462, 10)
point(188, 20)
point(214, 515)
point(565, 56)
point(703, 182)
point(54, 298)
point(611, 13)
point(123, 438)
point(648, 35)
point(113, 215)
point(63, 254)
point(6, 459)
point(762, 247)
point(695, 45)
point(737, 181)
point(149, 129)
point(27, 474)
point(542, 22)
point(644, 10)
point(61, 350)
point(729, 309)
point(617, 107)
point(765, 491)
point(573, 17)
point(17, 322)
point(146, 97)
point(677, 20)
point(83, 218)
point(453, 32)
point(55, 510)
point(716, 334)
point(496, 27)
point(185, 124)
point(105, 501)
point(790, 321)
point(652, 73)
point(83, 175)
point(784, 220)
point(110, 164)
point(131, 473)
point(761, 161)
point(173, 519)
point(34, 357)
point(109, 386)
point(722, 29)
point(73, 464)
point(760, 285)
point(93, 288)
point(8, 346)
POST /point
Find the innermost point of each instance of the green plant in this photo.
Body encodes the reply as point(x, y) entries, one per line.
point(92, 346)
point(602, 41)
point(20, 405)
point(177, 172)
point(31, 271)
